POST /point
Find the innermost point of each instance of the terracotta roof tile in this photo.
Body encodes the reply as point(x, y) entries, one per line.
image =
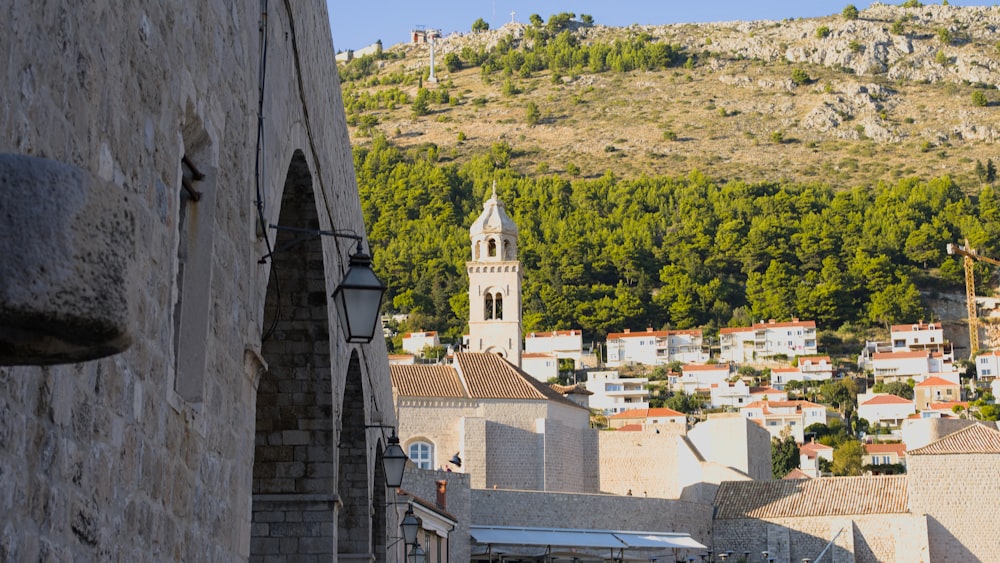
point(887, 399)
point(426, 381)
point(631, 428)
point(488, 376)
point(936, 382)
point(705, 367)
point(551, 333)
point(797, 474)
point(830, 496)
point(656, 333)
point(975, 439)
point(648, 413)
point(900, 355)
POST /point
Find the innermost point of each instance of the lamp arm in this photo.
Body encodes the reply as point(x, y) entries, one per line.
point(308, 234)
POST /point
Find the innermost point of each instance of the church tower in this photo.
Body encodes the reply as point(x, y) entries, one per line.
point(495, 284)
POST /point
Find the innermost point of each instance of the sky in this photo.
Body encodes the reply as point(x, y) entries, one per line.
point(358, 23)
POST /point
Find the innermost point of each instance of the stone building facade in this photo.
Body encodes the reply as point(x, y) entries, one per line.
point(177, 386)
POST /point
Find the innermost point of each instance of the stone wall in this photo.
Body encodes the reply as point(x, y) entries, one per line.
point(124, 91)
point(645, 462)
point(601, 512)
point(961, 498)
point(859, 539)
point(457, 503)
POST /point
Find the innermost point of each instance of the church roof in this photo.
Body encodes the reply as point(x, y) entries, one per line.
point(494, 218)
point(422, 380)
point(474, 375)
point(829, 496)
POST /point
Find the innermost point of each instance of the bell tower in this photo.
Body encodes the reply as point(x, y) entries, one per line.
point(495, 284)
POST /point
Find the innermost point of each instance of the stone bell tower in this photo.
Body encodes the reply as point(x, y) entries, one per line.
point(495, 284)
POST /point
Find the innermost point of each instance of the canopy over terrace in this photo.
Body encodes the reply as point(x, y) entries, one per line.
point(504, 540)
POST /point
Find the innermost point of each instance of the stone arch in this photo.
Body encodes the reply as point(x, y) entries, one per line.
point(498, 304)
point(491, 247)
point(356, 514)
point(293, 471)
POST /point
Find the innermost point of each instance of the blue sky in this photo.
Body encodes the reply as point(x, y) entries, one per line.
point(357, 24)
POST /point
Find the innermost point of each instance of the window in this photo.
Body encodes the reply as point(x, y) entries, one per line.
point(488, 307)
point(491, 248)
point(422, 455)
point(498, 303)
point(885, 460)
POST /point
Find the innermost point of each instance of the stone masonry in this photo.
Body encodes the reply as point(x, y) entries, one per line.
point(214, 411)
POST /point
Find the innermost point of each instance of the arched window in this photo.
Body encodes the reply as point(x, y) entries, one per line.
point(477, 250)
point(498, 303)
point(488, 307)
point(422, 455)
point(507, 254)
point(491, 248)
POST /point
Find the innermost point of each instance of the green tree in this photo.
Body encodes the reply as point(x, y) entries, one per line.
point(850, 12)
point(979, 99)
point(536, 20)
point(480, 25)
point(586, 19)
point(897, 27)
point(944, 36)
point(784, 456)
point(421, 103)
point(848, 459)
point(533, 115)
point(453, 62)
point(822, 31)
point(897, 388)
point(682, 402)
point(800, 77)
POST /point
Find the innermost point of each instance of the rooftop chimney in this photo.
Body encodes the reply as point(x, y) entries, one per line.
point(442, 494)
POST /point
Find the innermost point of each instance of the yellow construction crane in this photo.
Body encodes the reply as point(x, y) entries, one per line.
point(969, 256)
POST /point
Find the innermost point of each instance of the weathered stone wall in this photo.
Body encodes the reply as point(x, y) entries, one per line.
point(644, 462)
point(734, 441)
point(961, 498)
point(435, 421)
point(148, 455)
point(861, 539)
point(601, 512)
point(570, 458)
point(457, 503)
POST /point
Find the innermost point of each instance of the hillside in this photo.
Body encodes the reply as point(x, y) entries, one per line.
point(688, 175)
point(890, 95)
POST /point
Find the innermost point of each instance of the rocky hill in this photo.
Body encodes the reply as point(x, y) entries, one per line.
point(896, 92)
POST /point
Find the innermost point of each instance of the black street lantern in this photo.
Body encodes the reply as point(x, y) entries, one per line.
point(358, 299)
point(417, 554)
point(410, 526)
point(393, 463)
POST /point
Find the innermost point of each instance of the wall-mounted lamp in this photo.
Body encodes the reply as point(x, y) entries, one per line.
point(393, 463)
point(410, 526)
point(359, 295)
point(417, 554)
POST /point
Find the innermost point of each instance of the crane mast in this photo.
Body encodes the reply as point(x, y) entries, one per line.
point(969, 256)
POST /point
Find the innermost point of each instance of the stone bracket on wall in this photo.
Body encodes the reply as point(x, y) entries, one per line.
point(68, 240)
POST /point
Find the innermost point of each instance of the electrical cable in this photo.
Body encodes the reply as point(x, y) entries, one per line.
point(260, 168)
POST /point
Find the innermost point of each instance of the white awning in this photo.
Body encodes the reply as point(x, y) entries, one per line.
point(564, 537)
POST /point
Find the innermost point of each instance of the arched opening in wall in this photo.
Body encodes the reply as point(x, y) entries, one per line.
point(380, 508)
point(488, 307)
point(507, 250)
point(491, 248)
point(476, 253)
point(293, 471)
point(355, 515)
point(498, 304)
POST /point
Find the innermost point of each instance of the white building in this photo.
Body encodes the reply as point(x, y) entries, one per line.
point(988, 365)
point(560, 343)
point(765, 341)
point(917, 365)
point(541, 366)
point(495, 284)
point(777, 416)
point(654, 347)
point(920, 336)
point(614, 394)
point(885, 408)
point(809, 455)
point(734, 395)
point(696, 377)
point(415, 342)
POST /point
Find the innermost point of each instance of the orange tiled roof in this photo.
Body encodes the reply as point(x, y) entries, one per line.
point(537, 355)
point(705, 367)
point(488, 376)
point(991, 353)
point(887, 399)
point(814, 359)
point(769, 324)
point(797, 474)
point(830, 496)
point(946, 405)
point(919, 326)
point(420, 334)
point(813, 447)
point(631, 428)
point(975, 439)
point(765, 391)
point(900, 355)
point(551, 333)
point(648, 413)
point(657, 333)
point(935, 381)
point(426, 381)
point(898, 449)
point(577, 389)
